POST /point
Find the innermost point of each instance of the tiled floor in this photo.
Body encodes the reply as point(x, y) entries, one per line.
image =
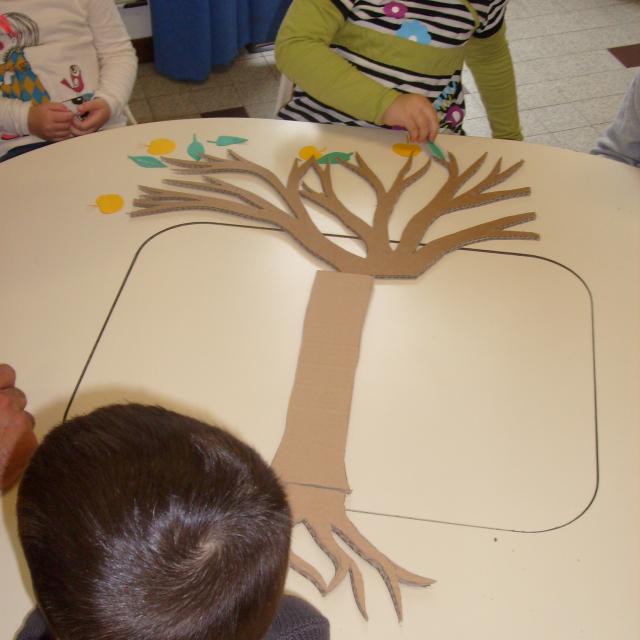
point(569, 84)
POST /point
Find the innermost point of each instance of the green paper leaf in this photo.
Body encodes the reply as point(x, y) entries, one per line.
point(196, 148)
point(334, 157)
point(223, 141)
point(148, 162)
point(436, 151)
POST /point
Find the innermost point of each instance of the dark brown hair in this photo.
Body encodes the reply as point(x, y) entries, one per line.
point(142, 524)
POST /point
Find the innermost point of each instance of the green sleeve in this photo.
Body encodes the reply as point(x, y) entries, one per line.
point(304, 56)
point(490, 62)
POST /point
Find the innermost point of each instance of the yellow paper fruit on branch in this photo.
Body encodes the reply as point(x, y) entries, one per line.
point(161, 146)
point(310, 152)
point(110, 203)
point(406, 150)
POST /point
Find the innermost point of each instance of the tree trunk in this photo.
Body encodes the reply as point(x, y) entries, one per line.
point(312, 448)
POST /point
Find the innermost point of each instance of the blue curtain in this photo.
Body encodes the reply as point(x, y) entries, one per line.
point(191, 36)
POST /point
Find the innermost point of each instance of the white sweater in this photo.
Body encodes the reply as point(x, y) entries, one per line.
point(57, 52)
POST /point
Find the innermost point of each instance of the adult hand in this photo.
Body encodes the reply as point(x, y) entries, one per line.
point(17, 440)
point(91, 116)
point(416, 114)
point(50, 121)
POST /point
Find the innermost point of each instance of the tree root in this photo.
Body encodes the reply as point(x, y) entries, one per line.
point(322, 511)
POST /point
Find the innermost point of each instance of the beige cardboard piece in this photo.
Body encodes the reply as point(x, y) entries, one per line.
point(409, 259)
point(310, 458)
point(313, 446)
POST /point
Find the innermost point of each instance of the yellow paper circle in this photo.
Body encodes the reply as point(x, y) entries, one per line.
point(310, 152)
point(406, 150)
point(110, 203)
point(161, 146)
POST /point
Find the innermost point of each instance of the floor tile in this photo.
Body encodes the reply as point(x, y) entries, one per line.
point(600, 110)
point(575, 5)
point(539, 47)
point(477, 127)
point(146, 68)
point(174, 106)
point(595, 85)
point(468, 81)
point(138, 92)
point(540, 94)
point(154, 85)
point(543, 138)
point(600, 129)
point(262, 110)
point(219, 77)
point(141, 111)
point(254, 70)
point(258, 89)
point(531, 123)
point(473, 106)
point(216, 99)
point(581, 139)
point(561, 117)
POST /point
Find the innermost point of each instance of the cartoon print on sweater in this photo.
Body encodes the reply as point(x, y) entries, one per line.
point(447, 104)
point(75, 81)
point(17, 78)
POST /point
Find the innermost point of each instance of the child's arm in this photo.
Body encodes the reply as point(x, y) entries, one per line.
point(50, 121)
point(117, 59)
point(14, 116)
point(304, 56)
point(490, 62)
point(621, 141)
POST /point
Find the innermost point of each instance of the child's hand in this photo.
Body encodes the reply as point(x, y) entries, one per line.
point(17, 441)
point(50, 121)
point(92, 115)
point(416, 114)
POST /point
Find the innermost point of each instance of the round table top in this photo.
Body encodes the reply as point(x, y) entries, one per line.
point(495, 428)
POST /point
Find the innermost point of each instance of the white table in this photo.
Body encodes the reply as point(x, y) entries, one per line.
point(494, 441)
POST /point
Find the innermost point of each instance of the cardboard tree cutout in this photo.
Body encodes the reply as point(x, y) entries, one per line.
point(311, 455)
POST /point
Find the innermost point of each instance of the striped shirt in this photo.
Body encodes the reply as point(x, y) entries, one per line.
point(442, 27)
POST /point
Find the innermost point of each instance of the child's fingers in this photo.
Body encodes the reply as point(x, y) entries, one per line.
point(58, 106)
point(7, 376)
point(419, 126)
point(76, 131)
point(61, 118)
point(413, 129)
point(434, 127)
point(429, 122)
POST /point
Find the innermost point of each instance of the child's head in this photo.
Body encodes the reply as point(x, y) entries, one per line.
point(142, 524)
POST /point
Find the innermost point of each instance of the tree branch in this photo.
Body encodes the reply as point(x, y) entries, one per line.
point(330, 202)
point(492, 230)
point(210, 164)
point(299, 225)
point(445, 201)
point(165, 200)
point(408, 260)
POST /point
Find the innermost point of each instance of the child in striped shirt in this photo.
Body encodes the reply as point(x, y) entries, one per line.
point(397, 64)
